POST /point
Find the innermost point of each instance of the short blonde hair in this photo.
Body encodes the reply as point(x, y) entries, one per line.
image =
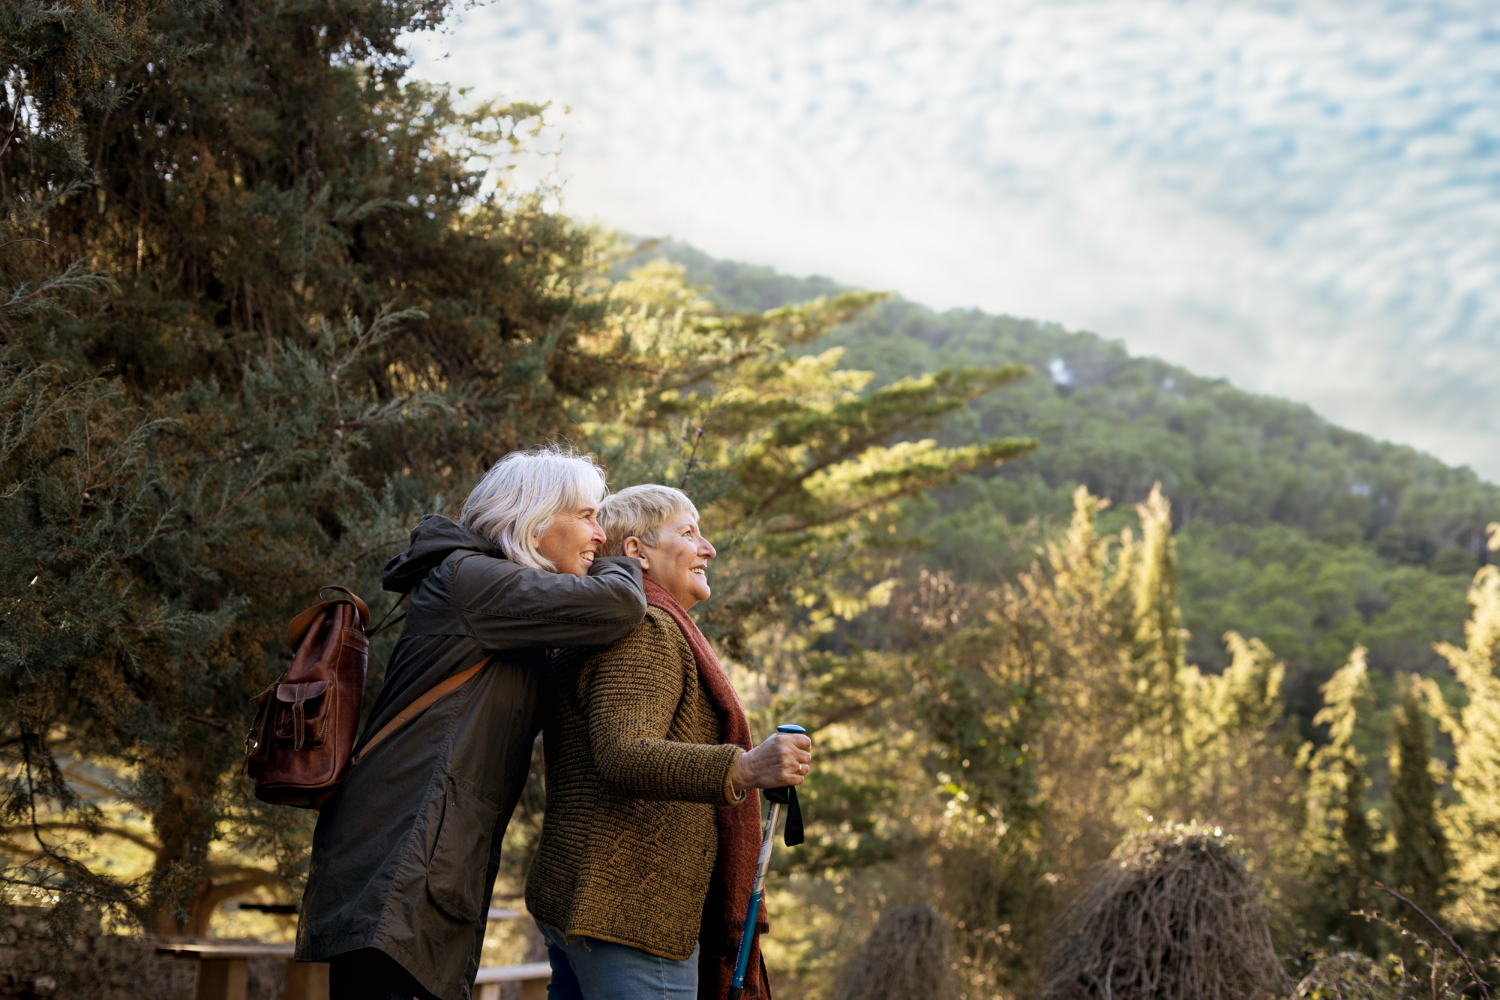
point(639, 511)
point(517, 499)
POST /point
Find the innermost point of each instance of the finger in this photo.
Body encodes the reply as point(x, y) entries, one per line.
point(800, 740)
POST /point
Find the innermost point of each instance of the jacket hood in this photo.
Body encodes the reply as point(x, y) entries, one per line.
point(433, 539)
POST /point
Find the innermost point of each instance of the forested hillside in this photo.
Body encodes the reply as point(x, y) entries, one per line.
point(1307, 535)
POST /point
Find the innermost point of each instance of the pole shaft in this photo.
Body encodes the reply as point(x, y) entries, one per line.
point(747, 933)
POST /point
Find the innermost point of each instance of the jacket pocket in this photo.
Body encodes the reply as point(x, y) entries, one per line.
point(461, 852)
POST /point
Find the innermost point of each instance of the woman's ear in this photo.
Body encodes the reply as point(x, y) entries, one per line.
point(635, 550)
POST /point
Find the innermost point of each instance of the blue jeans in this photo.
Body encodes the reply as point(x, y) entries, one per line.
point(590, 969)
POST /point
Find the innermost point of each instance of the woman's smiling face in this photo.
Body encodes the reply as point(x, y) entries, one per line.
point(679, 559)
point(571, 539)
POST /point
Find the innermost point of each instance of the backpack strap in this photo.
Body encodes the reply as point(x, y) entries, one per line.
point(384, 624)
point(419, 706)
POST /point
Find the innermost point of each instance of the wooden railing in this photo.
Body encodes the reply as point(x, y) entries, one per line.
point(224, 970)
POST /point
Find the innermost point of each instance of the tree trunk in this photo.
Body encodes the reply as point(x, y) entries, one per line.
point(182, 896)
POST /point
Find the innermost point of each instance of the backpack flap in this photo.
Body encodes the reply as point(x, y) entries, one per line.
point(299, 626)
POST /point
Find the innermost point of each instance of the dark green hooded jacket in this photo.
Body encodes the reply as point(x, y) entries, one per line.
point(405, 852)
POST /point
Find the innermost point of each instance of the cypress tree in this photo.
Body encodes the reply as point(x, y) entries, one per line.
point(1340, 841)
point(1419, 854)
point(260, 312)
point(1474, 820)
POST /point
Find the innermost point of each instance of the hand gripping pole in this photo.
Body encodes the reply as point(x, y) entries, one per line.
point(777, 797)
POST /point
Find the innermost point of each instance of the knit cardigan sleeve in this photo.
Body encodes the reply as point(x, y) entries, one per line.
point(634, 689)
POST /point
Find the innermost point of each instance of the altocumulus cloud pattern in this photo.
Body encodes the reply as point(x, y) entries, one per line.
point(1303, 197)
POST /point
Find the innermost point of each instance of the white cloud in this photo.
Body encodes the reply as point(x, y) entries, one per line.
point(1304, 197)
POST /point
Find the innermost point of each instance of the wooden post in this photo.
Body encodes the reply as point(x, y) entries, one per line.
point(306, 981)
point(222, 979)
point(534, 989)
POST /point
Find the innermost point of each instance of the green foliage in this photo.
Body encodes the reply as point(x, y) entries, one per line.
point(60, 61)
point(1312, 601)
point(263, 300)
point(1354, 976)
point(1339, 836)
point(1056, 715)
point(1419, 855)
point(285, 304)
point(263, 315)
point(1475, 728)
point(783, 452)
point(1310, 536)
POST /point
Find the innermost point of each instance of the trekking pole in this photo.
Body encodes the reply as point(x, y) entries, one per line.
point(776, 796)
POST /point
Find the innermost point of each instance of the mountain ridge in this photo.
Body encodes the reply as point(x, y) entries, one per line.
point(1312, 536)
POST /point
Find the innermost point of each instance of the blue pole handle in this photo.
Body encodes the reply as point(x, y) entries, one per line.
point(791, 729)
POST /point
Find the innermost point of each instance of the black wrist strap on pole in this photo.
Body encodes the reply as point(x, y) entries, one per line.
point(788, 797)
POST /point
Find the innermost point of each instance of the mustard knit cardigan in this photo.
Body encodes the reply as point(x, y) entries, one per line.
point(634, 772)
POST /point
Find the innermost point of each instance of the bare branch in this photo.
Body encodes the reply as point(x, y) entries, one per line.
point(1484, 989)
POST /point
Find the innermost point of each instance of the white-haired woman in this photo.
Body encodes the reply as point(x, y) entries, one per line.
point(405, 852)
point(652, 830)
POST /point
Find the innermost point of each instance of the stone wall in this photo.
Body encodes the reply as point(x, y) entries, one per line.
point(98, 966)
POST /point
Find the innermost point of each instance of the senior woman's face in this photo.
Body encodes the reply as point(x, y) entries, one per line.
point(571, 539)
point(679, 559)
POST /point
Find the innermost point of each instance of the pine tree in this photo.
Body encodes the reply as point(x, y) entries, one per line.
point(1419, 856)
point(795, 465)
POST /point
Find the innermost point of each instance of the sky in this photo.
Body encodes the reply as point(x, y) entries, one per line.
point(1302, 197)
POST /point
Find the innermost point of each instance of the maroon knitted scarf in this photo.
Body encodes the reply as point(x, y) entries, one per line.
point(739, 831)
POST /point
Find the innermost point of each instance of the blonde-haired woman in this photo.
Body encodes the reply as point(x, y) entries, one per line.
point(653, 824)
point(405, 852)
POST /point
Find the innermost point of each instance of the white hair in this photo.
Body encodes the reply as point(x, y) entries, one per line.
point(517, 499)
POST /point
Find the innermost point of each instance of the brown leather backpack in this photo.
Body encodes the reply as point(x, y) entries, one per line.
point(302, 742)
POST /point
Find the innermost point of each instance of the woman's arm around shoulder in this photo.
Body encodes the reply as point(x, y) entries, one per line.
point(515, 607)
point(633, 690)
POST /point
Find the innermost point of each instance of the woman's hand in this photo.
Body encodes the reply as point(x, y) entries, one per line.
point(784, 759)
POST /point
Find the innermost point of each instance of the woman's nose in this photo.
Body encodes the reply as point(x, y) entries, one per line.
point(707, 550)
point(597, 536)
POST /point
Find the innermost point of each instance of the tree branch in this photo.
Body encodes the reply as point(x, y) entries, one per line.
point(1484, 989)
point(113, 831)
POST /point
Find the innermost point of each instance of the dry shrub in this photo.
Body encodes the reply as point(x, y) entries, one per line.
point(1174, 914)
point(905, 958)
